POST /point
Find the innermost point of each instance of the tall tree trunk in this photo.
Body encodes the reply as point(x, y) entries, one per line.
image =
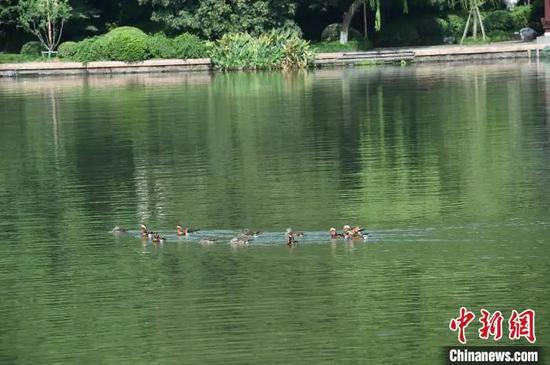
point(346, 22)
point(475, 16)
point(480, 23)
point(343, 36)
point(50, 36)
point(50, 31)
point(474, 31)
point(365, 19)
point(466, 28)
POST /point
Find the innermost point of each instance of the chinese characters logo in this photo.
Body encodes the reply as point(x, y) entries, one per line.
point(520, 325)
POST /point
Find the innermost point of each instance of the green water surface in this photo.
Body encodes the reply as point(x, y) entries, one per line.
point(447, 166)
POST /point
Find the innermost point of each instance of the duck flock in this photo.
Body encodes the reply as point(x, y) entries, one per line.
point(245, 237)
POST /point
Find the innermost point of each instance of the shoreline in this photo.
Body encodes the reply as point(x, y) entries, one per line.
point(103, 67)
point(426, 54)
point(433, 54)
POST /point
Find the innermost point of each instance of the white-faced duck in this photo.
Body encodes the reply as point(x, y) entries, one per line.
point(334, 234)
point(181, 231)
point(355, 233)
point(143, 230)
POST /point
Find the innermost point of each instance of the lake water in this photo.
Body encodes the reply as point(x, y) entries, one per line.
point(447, 166)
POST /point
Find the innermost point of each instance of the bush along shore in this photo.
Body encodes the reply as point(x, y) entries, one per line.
point(277, 49)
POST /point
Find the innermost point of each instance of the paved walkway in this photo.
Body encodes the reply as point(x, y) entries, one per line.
point(515, 46)
point(439, 53)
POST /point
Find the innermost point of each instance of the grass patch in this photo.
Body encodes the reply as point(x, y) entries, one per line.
point(492, 37)
point(469, 41)
point(335, 46)
point(18, 58)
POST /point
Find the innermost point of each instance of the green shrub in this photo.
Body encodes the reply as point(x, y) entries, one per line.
point(498, 20)
point(332, 33)
point(67, 49)
point(90, 49)
point(161, 46)
point(397, 34)
point(501, 36)
point(296, 53)
point(444, 26)
point(15, 58)
point(470, 41)
point(183, 46)
point(126, 44)
point(494, 36)
point(429, 26)
point(234, 51)
point(456, 25)
point(131, 44)
point(276, 49)
point(407, 31)
point(521, 16)
point(189, 46)
point(32, 48)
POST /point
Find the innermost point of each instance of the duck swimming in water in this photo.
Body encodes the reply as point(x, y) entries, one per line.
point(157, 238)
point(247, 232)
point(143, 230)
point(150, 235)
point(291, 236)
point(334, 234)
point(119, 230)
point(346, 231)
point(180, 231)
point(239, 241)
point(244, 238)
point(207, 242)
point(355, 233)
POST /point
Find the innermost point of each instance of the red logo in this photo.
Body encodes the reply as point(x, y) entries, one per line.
point(461, 322)
point(519, 325)
point(522, 325)
point(492, 325)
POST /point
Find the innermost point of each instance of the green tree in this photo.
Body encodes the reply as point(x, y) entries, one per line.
point(213, 18)
point(8, 12)
point(348, 17)
point(474, 17)
point(350, 8)
point(44, 19)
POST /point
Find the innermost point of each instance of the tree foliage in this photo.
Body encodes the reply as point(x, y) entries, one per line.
point(44, 19)
point(213, 18)
point(350, 8)
point(8, 11)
